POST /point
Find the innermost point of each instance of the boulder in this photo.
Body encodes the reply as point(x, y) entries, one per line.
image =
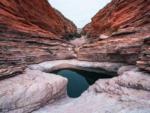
point(30, 91)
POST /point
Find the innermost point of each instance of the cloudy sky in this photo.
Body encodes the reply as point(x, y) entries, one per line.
point(79, 11)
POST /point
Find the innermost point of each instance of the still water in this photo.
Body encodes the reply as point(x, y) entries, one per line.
point(79, 81)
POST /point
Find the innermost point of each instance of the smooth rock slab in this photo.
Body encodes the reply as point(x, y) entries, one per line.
point(27, 92)
point(127, 93)
point(76, 64)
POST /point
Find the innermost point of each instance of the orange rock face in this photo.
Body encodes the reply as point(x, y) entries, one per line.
point(119, 33)
point(119, 14)
point(31, 32)
point(35, 16)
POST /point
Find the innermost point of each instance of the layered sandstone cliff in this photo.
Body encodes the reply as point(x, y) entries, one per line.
point(119, 33)
point(34, 17)
point(144, 57)
point(119, 14)
point(31, 32)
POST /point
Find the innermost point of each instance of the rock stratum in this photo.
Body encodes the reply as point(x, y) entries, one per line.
point(119, 14)
point(127, 48)
point(119, 33)
point(36, 17)
point(31, 32)
point(32, 44)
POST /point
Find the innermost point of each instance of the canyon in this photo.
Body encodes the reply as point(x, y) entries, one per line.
point(34, 42)
point(31, 36)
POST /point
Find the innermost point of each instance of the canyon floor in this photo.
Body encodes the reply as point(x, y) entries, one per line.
point(36, 39)
point(126, 93)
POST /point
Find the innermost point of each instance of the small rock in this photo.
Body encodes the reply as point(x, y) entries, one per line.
point(102, 36)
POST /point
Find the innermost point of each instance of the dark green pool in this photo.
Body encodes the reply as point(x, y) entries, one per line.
point(79, 81)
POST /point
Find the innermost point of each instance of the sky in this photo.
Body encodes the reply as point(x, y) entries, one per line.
point(79, 11)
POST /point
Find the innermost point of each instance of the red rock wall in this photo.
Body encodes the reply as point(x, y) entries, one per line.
point(127, 25)
point(144, 56)
point(119, 14)
point(34, 16)
point(31, 32)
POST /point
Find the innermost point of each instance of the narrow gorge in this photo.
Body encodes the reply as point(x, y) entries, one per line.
point(48, 65)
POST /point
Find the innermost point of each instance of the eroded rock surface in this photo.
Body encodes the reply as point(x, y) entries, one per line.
point(144, 57)
point(117, 34)
point(127, 93)
point(119, 14)
point(31, 32)
point(117, 48)
point(29, 91)
point(34, 17)
point(106, 67)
